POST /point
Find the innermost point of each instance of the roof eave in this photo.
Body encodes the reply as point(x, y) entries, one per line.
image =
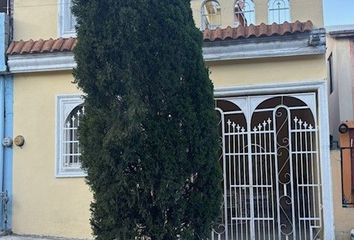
point(297, 44)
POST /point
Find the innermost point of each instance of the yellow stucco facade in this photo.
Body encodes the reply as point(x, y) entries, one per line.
point(266, 71)
point(46, 205)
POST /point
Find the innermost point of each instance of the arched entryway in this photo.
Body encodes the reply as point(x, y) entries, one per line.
point(271, 166)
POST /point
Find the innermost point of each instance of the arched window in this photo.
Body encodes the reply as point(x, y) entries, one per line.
point(69, 112)
point(244, 13)
point(278, 11)
point(211, 14)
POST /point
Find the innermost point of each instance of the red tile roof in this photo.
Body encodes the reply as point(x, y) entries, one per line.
point(67, 44)
point(41, 46)
point(256, 31)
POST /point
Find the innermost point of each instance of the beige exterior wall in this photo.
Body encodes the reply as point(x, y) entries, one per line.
point(44, 204)
point(301, 10)
point(36, 19)
point(343, 217)
point(304, 10)
point(267, 71)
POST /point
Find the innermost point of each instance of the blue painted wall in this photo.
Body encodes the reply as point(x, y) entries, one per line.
point(6, 129)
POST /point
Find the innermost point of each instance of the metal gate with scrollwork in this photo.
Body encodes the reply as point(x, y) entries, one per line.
point(271, 168)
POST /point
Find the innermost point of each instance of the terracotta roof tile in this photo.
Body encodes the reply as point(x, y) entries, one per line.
point(68, 44)
point(257, 31)
point(27, 46)
point(47, 46)
point(263, 30)
point(41, 46)
point(57, 45)
point(37, 46)
point(307, 26)
point(229, 33)
point(18, 47)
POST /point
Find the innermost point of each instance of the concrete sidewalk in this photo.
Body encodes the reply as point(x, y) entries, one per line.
point(16, 237)
point(11, 237)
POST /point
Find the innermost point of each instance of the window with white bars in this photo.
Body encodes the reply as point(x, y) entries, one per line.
point(210, 14)
point(244, 13)
point(69, 112)
point(278, 11)
point(67, 19)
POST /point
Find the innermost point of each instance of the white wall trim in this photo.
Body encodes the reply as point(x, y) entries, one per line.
point(264, 50)
point(41, 62)
point(320, 87)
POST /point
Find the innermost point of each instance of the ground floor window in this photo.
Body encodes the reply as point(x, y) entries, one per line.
point(69, 111)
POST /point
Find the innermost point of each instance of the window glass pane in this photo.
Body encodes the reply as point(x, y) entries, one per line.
point(244, 13)
point(278, 11)
point(71, 153)
point(211, 14)
point(68, 21)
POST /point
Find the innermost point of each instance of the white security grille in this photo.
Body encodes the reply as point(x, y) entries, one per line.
point(271, 168)
point(244, 12)
point(71, 146)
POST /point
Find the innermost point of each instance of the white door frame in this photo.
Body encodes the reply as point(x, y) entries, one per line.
point(320, 87)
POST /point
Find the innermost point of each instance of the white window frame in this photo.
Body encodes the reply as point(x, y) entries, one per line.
point(249, 11)
point(66, 28)
point(65, 104)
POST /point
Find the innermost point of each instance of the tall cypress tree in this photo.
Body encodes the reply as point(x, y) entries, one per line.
point(149, 134)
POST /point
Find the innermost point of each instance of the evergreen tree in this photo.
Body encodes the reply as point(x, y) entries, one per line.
point(149, 135)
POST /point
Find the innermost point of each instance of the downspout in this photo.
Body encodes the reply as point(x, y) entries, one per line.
point(5, 162)
point(3, 195)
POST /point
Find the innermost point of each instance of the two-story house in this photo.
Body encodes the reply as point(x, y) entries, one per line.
point(267, 63)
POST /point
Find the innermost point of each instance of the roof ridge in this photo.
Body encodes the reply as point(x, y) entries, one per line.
point(21, 47)
point(259, 30)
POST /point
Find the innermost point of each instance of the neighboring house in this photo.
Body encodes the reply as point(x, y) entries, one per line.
point(340, 65)
point(6, 101)
point(270, 93)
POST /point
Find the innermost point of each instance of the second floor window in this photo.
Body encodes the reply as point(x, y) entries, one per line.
point(278, 11)
point(244, 13)
point(211, 14)
point(67, 19)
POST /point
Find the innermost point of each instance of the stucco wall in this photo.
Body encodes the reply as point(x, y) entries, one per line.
point(343, 217)
point(43, 204)
point(267, 71)
point(35, 19)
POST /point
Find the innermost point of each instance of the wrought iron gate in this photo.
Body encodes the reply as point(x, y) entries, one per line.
point(271, 168)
